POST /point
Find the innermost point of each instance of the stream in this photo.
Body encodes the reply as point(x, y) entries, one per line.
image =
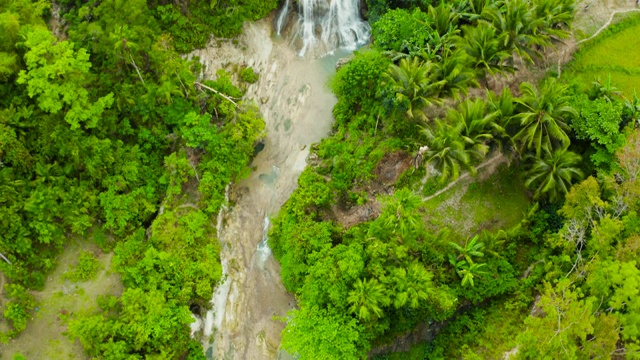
point(296, 104)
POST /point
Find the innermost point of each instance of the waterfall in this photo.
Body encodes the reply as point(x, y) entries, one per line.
point(326, 25)
point(263, 251)
point(282, 17)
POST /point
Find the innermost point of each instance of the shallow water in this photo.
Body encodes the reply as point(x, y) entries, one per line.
point(297, 109)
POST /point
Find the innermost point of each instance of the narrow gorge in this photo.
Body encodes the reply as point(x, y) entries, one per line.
point(295, 54)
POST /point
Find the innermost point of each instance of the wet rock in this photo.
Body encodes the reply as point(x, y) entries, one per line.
point(342, 62)
point(423, 332)
point(195, 309)
point(258, 147)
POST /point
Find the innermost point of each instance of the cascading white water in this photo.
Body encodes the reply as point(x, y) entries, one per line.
point(296, 106)
point(326, 25)
point(263, 250)
point(281, 18)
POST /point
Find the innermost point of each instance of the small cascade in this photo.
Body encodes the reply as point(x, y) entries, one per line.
point(326, 25)
point(213, 318)
point(282, 17)
point(263, 250)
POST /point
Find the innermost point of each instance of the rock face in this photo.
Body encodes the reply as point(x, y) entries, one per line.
point(319, 27)
point(296, 105)
point(424, 332)
point(342, 62)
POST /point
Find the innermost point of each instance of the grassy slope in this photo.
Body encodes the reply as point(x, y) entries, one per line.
point(616, 54)
point(496, 202)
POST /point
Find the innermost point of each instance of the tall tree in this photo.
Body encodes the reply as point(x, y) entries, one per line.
point(543, 116)
point(552, 174)
point(367, 299)
point(478, 124)
point(514, 18)
point(447, 152)
point(57, 76)
point(456, 72)
point(484, 44)
point(413, 85)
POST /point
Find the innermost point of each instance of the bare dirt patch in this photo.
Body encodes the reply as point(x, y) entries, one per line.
point(387, 172)
point(44, 336)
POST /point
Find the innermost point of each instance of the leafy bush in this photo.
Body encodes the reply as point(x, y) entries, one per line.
point(402, 31)
point(86, 269)
point(599, 123)
point(18, 308)
point(248, 75)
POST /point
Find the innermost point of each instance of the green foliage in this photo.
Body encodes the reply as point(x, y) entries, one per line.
point(553, 174)
point(248, 75)
point(15, 18)
point(18, 309)
point(402, 31)
point(599, 122)
point(357, 84)
point(318, 333)
point(86, 269)
point(146, 322)
point(486, 331)
point(57, 76)
point(549, 335)
point(178, 171)
point(93, 132)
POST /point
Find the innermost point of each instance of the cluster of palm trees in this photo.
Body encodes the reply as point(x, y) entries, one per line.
point(534, 126)
point(490, 38)
point(477, 38)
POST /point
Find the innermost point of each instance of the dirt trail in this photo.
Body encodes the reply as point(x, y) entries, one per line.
point(43, 338)
point(493, 162)
point(297, 106)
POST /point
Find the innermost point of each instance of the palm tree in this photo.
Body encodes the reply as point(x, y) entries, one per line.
point(447, 152)
point(514, 19)
point(503, 104)
point(632, 109)
point(412, 82)
point(472, 248)
point(367, 298)
point(470, 271)
point(605, 90)
point(456, 72)
point(494, 241)
point(444, 20)
point(504, 108)
point(543, 115)
point(553, 17)
point(478, 125)
point(410, 286)
point(552, 175)
point(471, 10)
point(485, 47)
point(400, 214)
point(464, 264)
